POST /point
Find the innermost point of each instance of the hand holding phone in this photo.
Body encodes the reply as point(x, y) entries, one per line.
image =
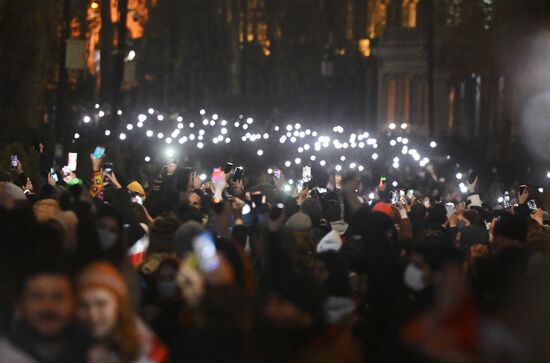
point(98, 153)
point(206, 253)
point(72, 161)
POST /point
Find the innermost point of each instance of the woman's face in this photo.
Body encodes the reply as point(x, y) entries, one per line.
point(98, 312)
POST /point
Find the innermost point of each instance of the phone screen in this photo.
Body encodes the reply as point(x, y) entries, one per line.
point(217, 175)
point(450, 208)
point(306, 173)
point(98, 152)
point(532, 205)
point(14, 161)
point(338, 181)
point(72, 161)
point(410, 193)
point(277, 173)
point(205, 251)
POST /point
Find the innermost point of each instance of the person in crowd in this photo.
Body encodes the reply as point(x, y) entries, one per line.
point(105, 312)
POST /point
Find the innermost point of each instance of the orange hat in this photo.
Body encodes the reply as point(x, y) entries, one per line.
point(104, 275)
point(385, 208)
point(136, 188)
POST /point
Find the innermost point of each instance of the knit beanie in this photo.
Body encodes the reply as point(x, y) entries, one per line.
point(136, 188)
point(385, 208)
point(162, 233)
point(299, 221)
point(104, 275)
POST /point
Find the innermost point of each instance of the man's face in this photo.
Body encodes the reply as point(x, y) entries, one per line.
point(47, 304)
point(194, 201)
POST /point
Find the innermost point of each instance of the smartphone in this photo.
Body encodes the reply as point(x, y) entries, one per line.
point(450, 208)
point(522, 188)
point(72, 161)
point(338, 181)
point(205, 251)
point(98, 152)
point(506, 197)
point(277, 173)
point(410, 194)
point(217, 175)
point(108, 168)
point(258, 200)
point(306, 173)
point(14, 161)
point(54, 175)
point(322, 190)
point(532, 205)
point(238, 174)
point(228, 167)
point(472, 178)
point(394, 197)
point(401, 194)
point(137, 199)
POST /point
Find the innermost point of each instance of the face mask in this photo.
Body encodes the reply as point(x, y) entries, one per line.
point(107, 238)
point(413, 278)
point(167, 289)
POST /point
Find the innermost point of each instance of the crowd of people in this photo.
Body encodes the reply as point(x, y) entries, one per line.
point(232, 269)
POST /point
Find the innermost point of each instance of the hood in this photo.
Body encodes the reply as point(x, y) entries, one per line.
point(330, 242)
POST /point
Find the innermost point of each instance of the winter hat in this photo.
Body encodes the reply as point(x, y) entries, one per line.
point(385, 208)
point(511, 226)
point(331, 241)
point(45, 209)
point(299, 221)
point(162, 234)
point(136, 188)
point(13, 191)
point(103, 275)
point(184, 236)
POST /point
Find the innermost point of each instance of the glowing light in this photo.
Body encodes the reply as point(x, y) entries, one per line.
point(122, 136)
point(352, 165)
point(314, 133)
point(399, 139)
point(223, 131)
point(288, 127)
point(107, 132)
point(96, 106)
point(142, 117)
point(404, 126)
point(202, 112)
point(270, 171)
point(541, 190)
point(361, 145)
point(191, 125)
point(395, 165)
point(86, 119)
point(500, 199)
point(292, 139)
point(396, 159)
point(266, 136)
point(212, 123)
point(151, 111)
point(203, 177)
point(94, 5)
point(371, 196)
point(463, 188)
point(170, 153)
point(149, 133)
point(405, 141)
point(297, 126)
point(259, 152)
point(139, 124)
point(322, 163)
point(394, 184)
point(215, 116)
point(391, 126)
point(393, 142)
point(342, 158)
point(245, 126)
point(306, 147)
point(276, 128)
point(227, 140)
point(131, 55)
point(182, 140)
point(223, 123)
point(101, 113)
point(205, 122)
point(287, 188)
point(374, 156)
point(433, 144)
point(290, 181)
point(201, 132)
point(200, 145)
point(129, 127)
point(180, 126)
point(168, 140)
point(160, 135)
point(338, 168)
point(179, 119)
point(297, 161)
point(76, 135)
point(282, 139)
point(147, 159)
point(300, 149)
point(548, 174)
point(288, 164)
point(313, 157)
point(459, 176)
point(249, 120)
point(160, 117)
point(360, 168)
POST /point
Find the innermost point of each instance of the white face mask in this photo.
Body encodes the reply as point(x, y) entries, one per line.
point(414, 277)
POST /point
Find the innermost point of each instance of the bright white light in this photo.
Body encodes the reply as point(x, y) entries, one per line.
point(404, 126)
point(433, 144)
point(360, 168)
point(160, 117)
point(352, 165)
point(290, 181)
point(170, 153)
point(122, 136)
point(200, 138)
point(306, 147)
point(399, 139)
point(149, 133)
point(375, 146)
point(459, 176)
point(131, 55)
point(223, 131)
point(374, 156)
point(270, 171)
point(227, 140)
point(76, 135)
point(276, 128)
point(288, 127)
point(160, 135)
point(86, 119)
point(245, 126)
point(259, 152)
point(288, 164)
point(342, 158)
point(203, 177)
point(249, 120)
point(314, 133)
point(129, 127)
point(142, 117)
point(361, 145)
point(147, 159)
point(202, 112)
point(297, 161)
point(168, 140)
point(302, 134)
point(287, 188)
point(308, 132)
point(282, 139)
point(396, 159)
point(338, 167)
point(179, 119)
point(395, 165)
point(96, 106)
point(139, 124)
point(191, 125)
point(243, 138)
point(297, 126)
point(205, 122)
point(391, 126)
point(300, 149)
point(182, 140)
point(463, 188)
point(200, 145)
point(215, 116)
point(151, 111)
point(180, 126)
point(500, 199)
point(201, 132)
point(394, 184)
point(393, 142)
point(101, 113)
point(296, 133)
point(212, 123)
point(292, 139)
point(548, 174)
point(223, 123)
point(312, 157)
point(322, 163)
point(405, 141)
point(119, 112)
point(541, 190)
point(107, 132)
point(371, 195)
point(404, 150)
